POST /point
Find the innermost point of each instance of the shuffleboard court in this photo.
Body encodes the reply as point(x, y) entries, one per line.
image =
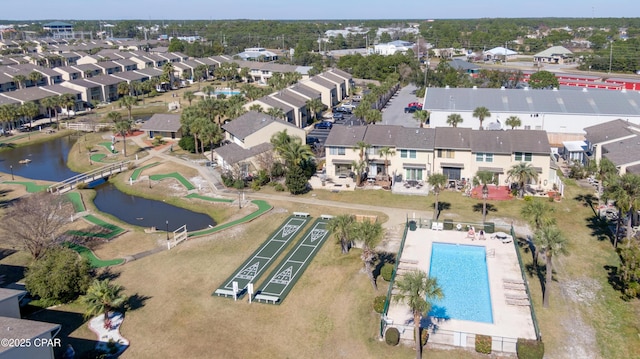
point(263, 257)
point(284, 277)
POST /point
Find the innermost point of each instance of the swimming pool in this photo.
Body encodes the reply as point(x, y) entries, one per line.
point(226, 92)
point(461, 272)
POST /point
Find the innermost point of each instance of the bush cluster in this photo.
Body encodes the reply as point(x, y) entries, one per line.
point(378, 303)
point(386, 271)
point(483, 344)
point(530, 349)
point(392, 336)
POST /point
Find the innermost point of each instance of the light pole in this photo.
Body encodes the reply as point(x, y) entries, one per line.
point(167, 222)
point(485, 195)
point(11, 167)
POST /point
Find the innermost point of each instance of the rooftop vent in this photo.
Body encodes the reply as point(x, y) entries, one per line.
point(584, 90)
point(555, 89)
point(475, 87)
point(501, 87)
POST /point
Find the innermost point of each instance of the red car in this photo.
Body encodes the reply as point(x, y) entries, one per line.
point(417, 105)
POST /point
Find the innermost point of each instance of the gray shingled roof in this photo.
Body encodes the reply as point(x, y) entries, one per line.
point(248, 123)
point(130, 76)
point(323, 82)
point(305, 90)
point(563, 101)
point(24, 329)
point(290, 98)
point(381, 136)
point(608, 131)
point(275, 103)
point(453, 138)
point(341, 73)
point(622, 152)
point(162, 122)
point(105, 80)
point(6, 100)
point(345, 136)
point(233, 153)
point(634, 169)
point(416, 138)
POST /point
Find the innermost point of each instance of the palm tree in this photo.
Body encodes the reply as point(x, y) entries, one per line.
point(373, 116)
point(189, 96)
point(122, 127)
point(213, 134)
point(167, 73)
point(256, 107)
point(280, 140)
point(188, 120)
point(276, 113)
point(422, 116)
point(606, 173)
point(296, 153)
point(20, 80)
point(551, 242)
point(481, 113)
point(128, 102)
point(51, 103)
point(361, 147)
point(102, 297)
point(208, 90)
point(30, 110)
point(68, 101)
point(484, 178)
point(315, 105)
point(626, 194)
point(437, 181)
point(358, 168)
point(8, 114)
point(539, 214)
point(370, 234)
point(35, 77)
point(513, 121)
point(386, 152)
point(522, 173)
point(123, 89)
point(417, 290)
point(340, 226)
point(454, 119)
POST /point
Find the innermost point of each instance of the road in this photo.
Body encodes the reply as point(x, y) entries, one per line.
point(393, 113)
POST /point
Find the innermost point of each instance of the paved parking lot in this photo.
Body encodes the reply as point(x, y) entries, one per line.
point(393, 113)
point(321, 134)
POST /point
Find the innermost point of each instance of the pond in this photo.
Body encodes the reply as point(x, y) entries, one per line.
point(144, 212)
point(49, 163)
point(48, 160)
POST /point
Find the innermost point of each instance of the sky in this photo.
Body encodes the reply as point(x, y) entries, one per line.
point(310, 9)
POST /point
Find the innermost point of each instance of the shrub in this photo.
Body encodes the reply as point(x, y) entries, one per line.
point(255, 185)
point(378, 303)
point(386, 271)
point(187, 143)
point(238, 184)
point(279, 187)
point(392, 336)
point(483, 344)
point(529, 349)
point(157, 140)
point(58, 277)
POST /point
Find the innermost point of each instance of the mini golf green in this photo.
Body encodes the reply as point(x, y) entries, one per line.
point(111, 230)
point(98, 157)
point(31, 186)
point(76, 200)
point(177, 176)
point(108, 145)
point(93, 260)
point(138, 171)
point(263, 207)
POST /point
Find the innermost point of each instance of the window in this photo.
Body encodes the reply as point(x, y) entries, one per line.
point(523, 156)
point(446, 154)
point(484, 157)
point(407, 153)
point(336, 151)
point(413, 174)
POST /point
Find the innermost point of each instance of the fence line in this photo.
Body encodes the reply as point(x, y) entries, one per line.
point(526, 284)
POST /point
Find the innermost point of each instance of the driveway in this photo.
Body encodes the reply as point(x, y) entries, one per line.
point(393, 113)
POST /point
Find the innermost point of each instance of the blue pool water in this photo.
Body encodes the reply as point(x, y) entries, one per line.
point(226, 92)
point(461, 272)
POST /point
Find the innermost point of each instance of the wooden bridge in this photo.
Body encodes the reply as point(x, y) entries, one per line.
point(88, 177)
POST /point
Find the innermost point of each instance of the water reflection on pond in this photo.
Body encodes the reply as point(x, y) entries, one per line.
point(147, 213)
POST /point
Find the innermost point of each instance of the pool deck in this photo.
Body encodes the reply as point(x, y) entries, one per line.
point(511, 312)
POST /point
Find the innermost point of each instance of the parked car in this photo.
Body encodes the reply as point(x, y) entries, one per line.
point(342, 109)
point(312, 140)
point(326, 125)
point(411, 109)
point(417, 105)
point(338, 116)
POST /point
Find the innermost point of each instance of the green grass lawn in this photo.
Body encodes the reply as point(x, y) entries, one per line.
point(13, 138)
point(30, 186)
point(188, 185)
point(211, 199)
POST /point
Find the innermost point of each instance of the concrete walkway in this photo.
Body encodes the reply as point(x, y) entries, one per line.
point(394, 226)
